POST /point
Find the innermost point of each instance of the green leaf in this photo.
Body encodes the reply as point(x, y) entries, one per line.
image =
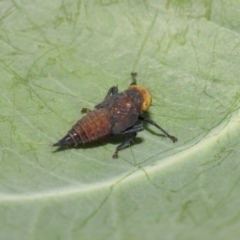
point(60, 56)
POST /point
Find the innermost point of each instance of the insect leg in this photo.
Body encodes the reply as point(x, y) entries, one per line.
point(113, 90)
point(132, 134)
point(134, 75)
point(85, 110)
point(136, 128)
point(174, 139)
point(123, 144)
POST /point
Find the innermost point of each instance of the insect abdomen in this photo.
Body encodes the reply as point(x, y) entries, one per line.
point(91, 127)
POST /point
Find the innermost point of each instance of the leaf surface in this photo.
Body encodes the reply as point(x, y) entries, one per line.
point(60, 56)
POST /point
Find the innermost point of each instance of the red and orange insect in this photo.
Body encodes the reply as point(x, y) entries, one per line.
point(116, 115)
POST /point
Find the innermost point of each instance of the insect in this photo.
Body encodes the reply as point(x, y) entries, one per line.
point(117, 114)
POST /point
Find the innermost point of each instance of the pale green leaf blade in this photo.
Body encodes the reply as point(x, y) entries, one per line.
point(60, 56)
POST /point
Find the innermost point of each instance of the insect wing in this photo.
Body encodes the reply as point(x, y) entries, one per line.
point(123, 113)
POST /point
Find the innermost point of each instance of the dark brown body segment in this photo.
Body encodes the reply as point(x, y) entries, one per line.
point(124, 109)
point(91, 127)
